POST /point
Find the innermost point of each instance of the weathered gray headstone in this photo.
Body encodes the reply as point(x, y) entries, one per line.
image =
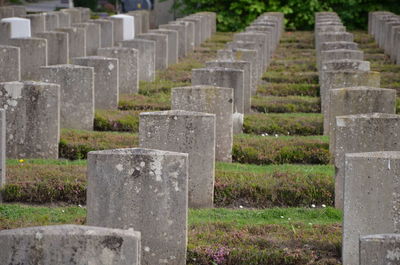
point(33, 114)
point(76, 94)
point(93, 36)
point(144, 189)
point(357, 100)
point(106, 80)
point(69, 244)
point(240, 65)
point(147, 57)
point(380, 249)
point(10, 67)
point(161, 41)
point(342, 79)
point(371, 192)
point(185, 132)
point(75, 14)
point(173, 39)
point(57, 47)
point(51, 21)
point(209, 99)
point(76, 41)
point(182, 50)
point(38, 23)
point(106, 32)
point(128, 65)
point(33, 55)
point(362, 133)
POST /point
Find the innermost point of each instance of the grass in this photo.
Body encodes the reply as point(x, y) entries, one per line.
point(286, 104)
point(35, 181)
point(272, 236)
point(281, 150)
point(283, 124)
point(287, 89)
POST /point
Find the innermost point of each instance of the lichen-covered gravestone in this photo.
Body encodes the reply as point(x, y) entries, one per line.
point(146, 190)
point(185, 132)
point(210, 99)
point(33, 114)
point(69, 244)
point(371, 193)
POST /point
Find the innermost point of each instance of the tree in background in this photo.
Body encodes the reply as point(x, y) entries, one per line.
point(234, 15)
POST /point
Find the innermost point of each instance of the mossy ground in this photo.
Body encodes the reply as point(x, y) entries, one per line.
point(281, 160)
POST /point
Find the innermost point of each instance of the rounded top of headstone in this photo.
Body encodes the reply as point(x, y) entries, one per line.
point(69, 230)
point(381, 237)
point(175, 113)
point(136, 152)
point(380, 154)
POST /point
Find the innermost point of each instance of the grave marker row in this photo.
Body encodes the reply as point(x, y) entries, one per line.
point(364, 130)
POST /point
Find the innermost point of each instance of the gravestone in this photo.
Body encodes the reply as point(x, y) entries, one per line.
point(185, 132)
point(106, 32)
point(128, 65)
point(379, 249)
point(38, 23)
point(240, 65)
point(372, 199)
point(209, 99)
point(76, 94)
point(70, 244)
point(106, 80)
point(57, 47)
point(357, 100)
point(15, 28)
point(124, 27)
point(33, 111)
point(75, 14)
point(161, 48)
point(10, 68)
point(147, 57)
point(51, 21)
point(76, 41)
point(225, 77)
point(173, 38)
point(362, 133)
point(182, 50)
point(146, 190)
point(93, 37)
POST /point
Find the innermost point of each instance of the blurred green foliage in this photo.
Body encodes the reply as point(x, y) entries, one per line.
point(234, 15)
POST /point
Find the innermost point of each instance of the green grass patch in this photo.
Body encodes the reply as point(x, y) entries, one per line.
point(284, 89)
point(291, 77)
point(235, 184)
point(286, 124)
point(289, 236)
point(117, 120)
point(17, 216)
point(152, 101)
point(286, 104)
point(281, 150)
point(75, 144)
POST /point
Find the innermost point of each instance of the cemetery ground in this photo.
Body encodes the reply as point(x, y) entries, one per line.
point(273, 204)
